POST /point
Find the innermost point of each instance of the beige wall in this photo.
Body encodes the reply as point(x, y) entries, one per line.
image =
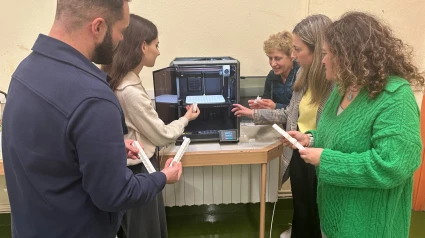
point(405, 17)
point(209, 28)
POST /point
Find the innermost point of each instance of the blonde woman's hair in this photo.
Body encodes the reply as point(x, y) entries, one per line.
point(281, 41)
point(311, 31)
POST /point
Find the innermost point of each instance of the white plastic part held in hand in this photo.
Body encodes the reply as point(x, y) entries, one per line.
point(257, 100)
point(195, 107)
point(145, 160)
point(288, 137)
point(181, 151)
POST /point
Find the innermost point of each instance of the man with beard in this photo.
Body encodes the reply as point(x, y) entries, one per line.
point(63, 148)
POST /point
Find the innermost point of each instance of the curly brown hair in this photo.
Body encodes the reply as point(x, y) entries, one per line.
point(365, 52)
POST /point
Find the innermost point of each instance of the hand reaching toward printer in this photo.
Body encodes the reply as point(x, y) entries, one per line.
point(190, 115)
point(241, 111)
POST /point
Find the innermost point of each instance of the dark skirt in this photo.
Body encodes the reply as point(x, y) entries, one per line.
point(147, 221)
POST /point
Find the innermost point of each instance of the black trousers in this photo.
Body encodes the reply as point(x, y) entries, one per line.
point(305, 220)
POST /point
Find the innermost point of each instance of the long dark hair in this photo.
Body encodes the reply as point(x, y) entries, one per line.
point(128, 54)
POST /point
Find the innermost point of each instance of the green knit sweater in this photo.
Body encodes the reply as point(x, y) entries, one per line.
point(371, 151)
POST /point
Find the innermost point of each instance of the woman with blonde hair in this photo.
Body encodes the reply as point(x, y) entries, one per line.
point(279, 82)
point(311, 91)
point(367, 145)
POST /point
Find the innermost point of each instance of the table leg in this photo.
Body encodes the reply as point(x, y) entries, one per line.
point(263, 199)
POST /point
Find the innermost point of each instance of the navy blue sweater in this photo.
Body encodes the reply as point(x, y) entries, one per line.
point(63, 149)
point(279, 92)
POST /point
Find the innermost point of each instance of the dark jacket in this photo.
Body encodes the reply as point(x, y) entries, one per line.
point(279, 92)
point(63, 149)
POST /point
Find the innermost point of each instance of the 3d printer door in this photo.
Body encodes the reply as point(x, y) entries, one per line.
point(165, 88)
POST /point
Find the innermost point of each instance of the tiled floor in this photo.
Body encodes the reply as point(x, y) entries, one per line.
point(230, 221)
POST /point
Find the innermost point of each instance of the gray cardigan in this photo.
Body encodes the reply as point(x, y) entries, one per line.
point(288, 116)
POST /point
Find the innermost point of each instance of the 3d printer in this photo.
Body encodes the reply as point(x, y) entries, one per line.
point(212, 83)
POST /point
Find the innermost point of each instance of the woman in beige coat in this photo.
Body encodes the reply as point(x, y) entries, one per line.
point(139, 49)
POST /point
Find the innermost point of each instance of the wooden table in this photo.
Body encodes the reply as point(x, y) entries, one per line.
point(237, 157)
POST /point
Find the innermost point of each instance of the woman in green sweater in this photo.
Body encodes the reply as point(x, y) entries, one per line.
point(367, 143)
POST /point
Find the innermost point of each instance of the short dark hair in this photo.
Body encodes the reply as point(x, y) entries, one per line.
point(77, 12)
point(128, 54)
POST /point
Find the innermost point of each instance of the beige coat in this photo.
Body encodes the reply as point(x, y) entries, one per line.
point(142, 120)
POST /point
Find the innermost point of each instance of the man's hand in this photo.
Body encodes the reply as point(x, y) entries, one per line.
point(132, 152)
point(172, 173)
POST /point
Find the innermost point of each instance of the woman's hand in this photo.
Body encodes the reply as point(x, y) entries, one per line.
point(241, 111)
point(311, 155)
point(262, 104)
point(253, 105)
point(302, 138)
point(190, 115)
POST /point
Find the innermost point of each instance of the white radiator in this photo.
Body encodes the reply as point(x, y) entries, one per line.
point(222, 185)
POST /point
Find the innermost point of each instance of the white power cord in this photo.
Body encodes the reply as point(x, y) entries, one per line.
point(271, 224)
